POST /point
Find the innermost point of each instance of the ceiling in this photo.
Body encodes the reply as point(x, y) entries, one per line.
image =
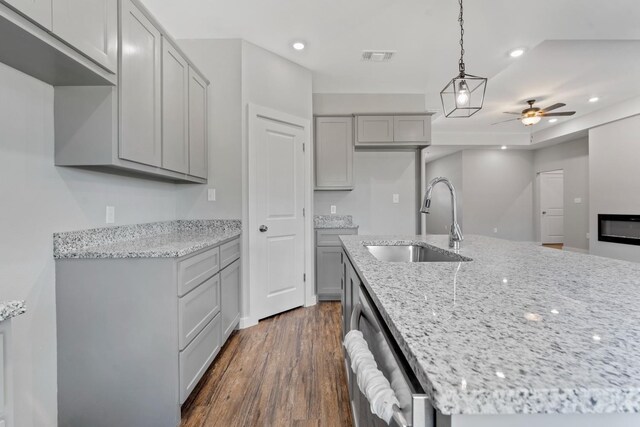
point(575, 49)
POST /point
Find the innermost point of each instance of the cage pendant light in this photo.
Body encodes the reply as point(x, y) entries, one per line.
point(464, 95)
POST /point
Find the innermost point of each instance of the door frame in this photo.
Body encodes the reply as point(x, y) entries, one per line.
point(538, 201)
point(248, 216)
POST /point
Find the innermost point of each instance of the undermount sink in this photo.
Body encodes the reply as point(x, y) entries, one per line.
point(413, 253)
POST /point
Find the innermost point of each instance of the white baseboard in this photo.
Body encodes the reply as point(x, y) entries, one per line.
point(311, 301)
point(570, 249)
point(247, 322)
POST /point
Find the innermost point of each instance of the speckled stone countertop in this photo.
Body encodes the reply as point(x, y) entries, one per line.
point(519, 329)
point(169, 239)
point(10, 309)
point(333, 221)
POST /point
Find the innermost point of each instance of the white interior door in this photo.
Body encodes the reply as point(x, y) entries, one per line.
point(552, 207)
point(276, 226)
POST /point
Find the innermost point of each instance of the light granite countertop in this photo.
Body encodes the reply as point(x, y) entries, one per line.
point(333, 221)
point(520, 329)
point(11, 309)
point(169, 239)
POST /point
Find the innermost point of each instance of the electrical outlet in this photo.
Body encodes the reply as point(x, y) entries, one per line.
point(333, 210)
point(110, 215)
point(577, 200)
point(211, 194)
point(588, 235)
point(495, 230)
point(396, 198)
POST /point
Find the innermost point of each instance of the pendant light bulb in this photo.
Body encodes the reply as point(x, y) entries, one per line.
point(463, 93)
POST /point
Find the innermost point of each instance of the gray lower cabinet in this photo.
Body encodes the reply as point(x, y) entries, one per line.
point(91, 26)
point(334, 153)
point(136, 335)
point(6, 375)
point(329, 268)
point(39, 11)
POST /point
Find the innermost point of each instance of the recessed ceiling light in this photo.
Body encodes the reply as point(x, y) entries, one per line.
point(298, 45)
point(516, 53)
point(594, 99)
point(553, 120)
point(504, 147)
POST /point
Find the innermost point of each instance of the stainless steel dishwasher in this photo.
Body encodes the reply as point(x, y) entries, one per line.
point(415, 408)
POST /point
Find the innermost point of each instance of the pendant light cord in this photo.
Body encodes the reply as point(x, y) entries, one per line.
point(461, 21)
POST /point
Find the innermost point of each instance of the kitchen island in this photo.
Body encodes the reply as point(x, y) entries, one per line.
point(520, 335)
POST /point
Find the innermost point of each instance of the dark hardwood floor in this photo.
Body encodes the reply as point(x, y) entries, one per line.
point(286, 371)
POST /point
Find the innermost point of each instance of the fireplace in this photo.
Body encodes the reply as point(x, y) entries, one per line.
point(623, 229)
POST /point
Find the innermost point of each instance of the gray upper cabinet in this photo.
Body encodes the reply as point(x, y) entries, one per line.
point(334, 153)
point(91, 26)
point(412, 128)
point(140, 85)
point(39, 11)
point(375, 129)
point(175, 106)
point(198, 130)
point(398, 130)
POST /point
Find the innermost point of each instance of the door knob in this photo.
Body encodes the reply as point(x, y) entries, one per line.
point(263, 228)
point(544, 212)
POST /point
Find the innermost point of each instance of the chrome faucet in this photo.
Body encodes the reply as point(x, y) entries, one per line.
point(455, 233)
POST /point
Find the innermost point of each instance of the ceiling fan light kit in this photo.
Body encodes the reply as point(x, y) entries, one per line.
point(533, 115)
point(464, 95)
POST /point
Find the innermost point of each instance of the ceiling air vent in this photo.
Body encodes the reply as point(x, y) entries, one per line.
point(377, 55)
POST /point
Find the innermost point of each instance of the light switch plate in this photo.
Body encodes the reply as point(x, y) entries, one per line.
point(110, 215)
point(333, 210)
point(495, 230)
point(211, 194)
point(396, 198)
point(577, 200)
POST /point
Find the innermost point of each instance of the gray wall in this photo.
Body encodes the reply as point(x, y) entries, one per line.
point(573, 158)
point(498, 193)
point(438, 221)
point(495, 191)
point(378, 174)
point(614, 181)
point(37, 200)
point(221, 62)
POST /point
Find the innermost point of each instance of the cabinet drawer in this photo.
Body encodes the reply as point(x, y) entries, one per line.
point(229, 252)
point(195, 270)
point(196, 358)
point(329, 237)
point(197, 308)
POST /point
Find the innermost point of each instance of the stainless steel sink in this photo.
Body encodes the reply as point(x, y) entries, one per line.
point(413, 253)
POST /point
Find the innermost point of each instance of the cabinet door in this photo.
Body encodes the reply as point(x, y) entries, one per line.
point(39, 11)
point(412, 128)
point(230, 300)
point(334, 153)
point(139, 89)
point(375, 129)
point(175, 109)
point(91, 26)
point(328, 273)
point(198, 133)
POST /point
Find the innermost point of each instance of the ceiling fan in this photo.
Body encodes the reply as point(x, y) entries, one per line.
point(532, 115)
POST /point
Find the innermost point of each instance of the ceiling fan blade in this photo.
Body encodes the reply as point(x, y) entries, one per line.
point(553, 107)
point(563, 113)
point(510, 112)
point(505, 121)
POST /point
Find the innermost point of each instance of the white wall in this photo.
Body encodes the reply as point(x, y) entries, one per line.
point(37, 200)
point(438, 221)
point(221, 62)
point(377, 174)
point(494, 188)
point(573, 158)
point(614, 181)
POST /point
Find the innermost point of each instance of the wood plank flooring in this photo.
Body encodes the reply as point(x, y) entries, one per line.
point(553, 245)
point(286, 371)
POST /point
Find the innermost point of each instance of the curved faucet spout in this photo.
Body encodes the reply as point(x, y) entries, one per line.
point(455, 233)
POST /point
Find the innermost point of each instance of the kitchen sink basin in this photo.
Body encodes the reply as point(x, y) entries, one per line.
point(413, 253)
